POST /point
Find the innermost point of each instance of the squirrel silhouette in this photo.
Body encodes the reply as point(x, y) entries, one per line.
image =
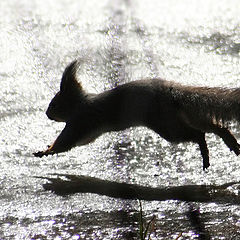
point(178, 113)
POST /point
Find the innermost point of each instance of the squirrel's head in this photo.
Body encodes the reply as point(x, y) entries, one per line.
point(62, 106)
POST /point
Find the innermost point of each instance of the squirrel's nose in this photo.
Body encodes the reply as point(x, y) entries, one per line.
point(49, 115)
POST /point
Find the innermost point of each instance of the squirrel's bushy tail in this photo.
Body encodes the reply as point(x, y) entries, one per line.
point(219, 105)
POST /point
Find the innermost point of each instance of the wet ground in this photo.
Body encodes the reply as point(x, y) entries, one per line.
point(191, 42)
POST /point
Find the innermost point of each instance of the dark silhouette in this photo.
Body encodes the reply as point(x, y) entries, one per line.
point(176, 112)
point(65, 184)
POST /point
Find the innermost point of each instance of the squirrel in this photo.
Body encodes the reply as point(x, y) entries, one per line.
point(176, 112)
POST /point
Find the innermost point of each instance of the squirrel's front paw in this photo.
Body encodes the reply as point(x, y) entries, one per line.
point(43, 153)
point(39, 154)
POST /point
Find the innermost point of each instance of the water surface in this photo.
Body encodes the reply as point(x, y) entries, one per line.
point(191, 42)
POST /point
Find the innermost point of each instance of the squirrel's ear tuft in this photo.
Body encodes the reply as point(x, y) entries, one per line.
point(69, 79)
